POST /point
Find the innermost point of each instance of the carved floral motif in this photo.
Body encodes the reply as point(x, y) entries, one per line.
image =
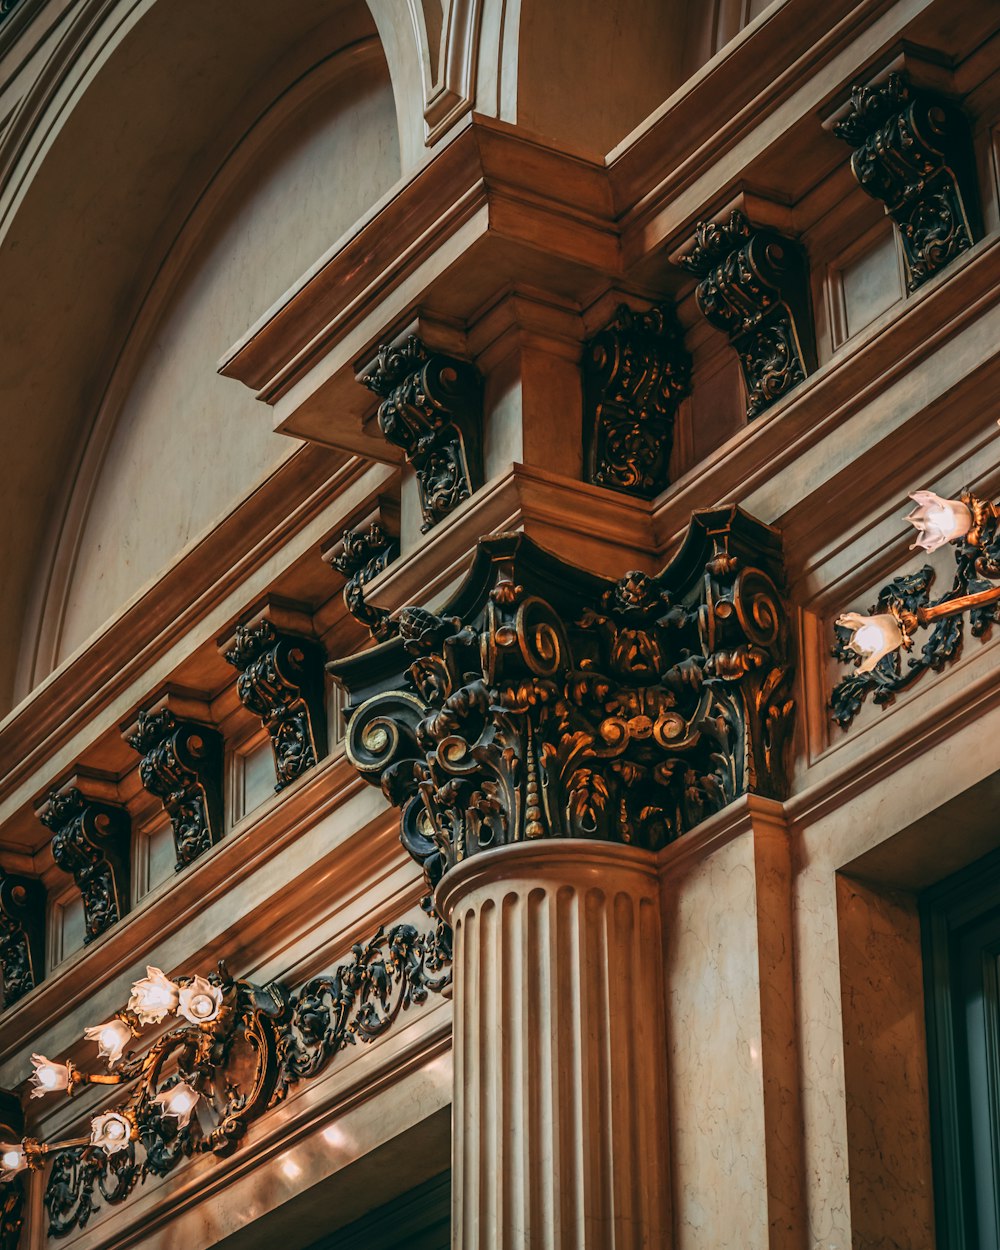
point(22, 935)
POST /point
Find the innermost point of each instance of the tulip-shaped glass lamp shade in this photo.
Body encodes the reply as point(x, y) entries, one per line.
point(872, 637)
point(154, 997)
point(179, 1101)
point(200, 1001)
point(111, 1131)
point(48, 1077)
point(938, 521)
point(112, 1038)
point(12, 1160)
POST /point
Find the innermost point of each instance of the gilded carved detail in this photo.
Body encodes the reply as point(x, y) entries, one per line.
point(431, 408)
point(755, 286)
point(362, 555)
point(913, 152)
point(90, 841)
point(182, 766)
point(22, 935)
point(281, 682)
point(547, 702)
point(636, 371)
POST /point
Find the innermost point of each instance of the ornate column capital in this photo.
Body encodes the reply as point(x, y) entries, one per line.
point(913, 151)
point(281, 682)
point(635, 373)
point(22, 935)
point(91, 840)
point(182, 766)
point(755, 286)
point(547, 702)
point(431, 408)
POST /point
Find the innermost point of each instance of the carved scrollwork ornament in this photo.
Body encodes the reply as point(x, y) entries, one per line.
point(182, 766)
point(636, 371)
point(281, 682)
point(91, 842)
point(553, 703)
point(431, 409)
point(755, 286)
point(913, 152)
point(363, 554)
point(22, 935)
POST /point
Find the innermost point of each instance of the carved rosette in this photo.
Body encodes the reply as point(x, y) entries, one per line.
point(636, 372)
point(281, 682)
point(755, 286)
point(22, 935)
point(90, 841)
point(182, 766)
point(431, 408)
point(913, 152)
point(547, 702)
point(363, 554)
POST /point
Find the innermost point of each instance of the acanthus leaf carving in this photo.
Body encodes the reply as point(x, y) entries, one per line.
point(360, 556)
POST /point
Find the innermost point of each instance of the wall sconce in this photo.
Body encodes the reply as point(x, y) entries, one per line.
point(875, 641)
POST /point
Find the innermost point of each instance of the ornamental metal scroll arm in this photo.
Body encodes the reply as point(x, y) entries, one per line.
point(913, 152)
point(635, 373)
point(755, 287)
point(880, 643)
point(549, 702)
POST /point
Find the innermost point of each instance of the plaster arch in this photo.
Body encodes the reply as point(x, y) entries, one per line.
point(93, 198)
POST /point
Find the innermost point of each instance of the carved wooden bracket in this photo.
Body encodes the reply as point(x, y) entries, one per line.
point(432, 408)
point(755, 286)
point(22, 935)
point(182, 766)
point(281, 682)
point(913, 151)
point(91, 841)
point(360, 555)
point(635, 373)
point(548, 702)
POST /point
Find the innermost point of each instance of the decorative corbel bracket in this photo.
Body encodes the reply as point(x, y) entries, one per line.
point(913, 151)
point(360, 554)
point(635, 373)
point(182, 766)
point(91, 839)
point(755, 286)
point(545, 701)
point(431, 408)
point(281, 682)
point(22, 935)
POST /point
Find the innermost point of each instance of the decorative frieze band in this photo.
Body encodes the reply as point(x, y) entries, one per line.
point(431, 408)
point(22, 935)
point(635, 373)
point(913, 151)
point(755, 286)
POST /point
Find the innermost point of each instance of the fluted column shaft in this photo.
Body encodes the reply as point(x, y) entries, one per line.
point(560, 1117)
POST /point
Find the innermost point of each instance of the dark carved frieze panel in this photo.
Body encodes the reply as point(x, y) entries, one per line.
point(548, 702)
point(360, 555)
point(22, 935)
point(182, 766)
point(432, 409)
point(91, 842)
point(755, 286)
point(281, 682)
point(913, 152)
point(635, 373)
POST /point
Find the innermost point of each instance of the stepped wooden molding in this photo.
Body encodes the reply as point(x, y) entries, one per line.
point(91, 841)
point(755, 287)
point(181, 765)
point(22, 935)
point(431, 408)
point(281, 683)
point(636, 371)
point(913, 152)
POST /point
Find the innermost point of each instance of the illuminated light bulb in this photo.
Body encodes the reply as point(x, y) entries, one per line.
point(873, 636)
point(200, 1001)
point(112, 1038)
point(154, 997)
point(48, 1077)
point(179, 1101)
point(938, 521)
point(12, 1160)
point(111, 1131)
